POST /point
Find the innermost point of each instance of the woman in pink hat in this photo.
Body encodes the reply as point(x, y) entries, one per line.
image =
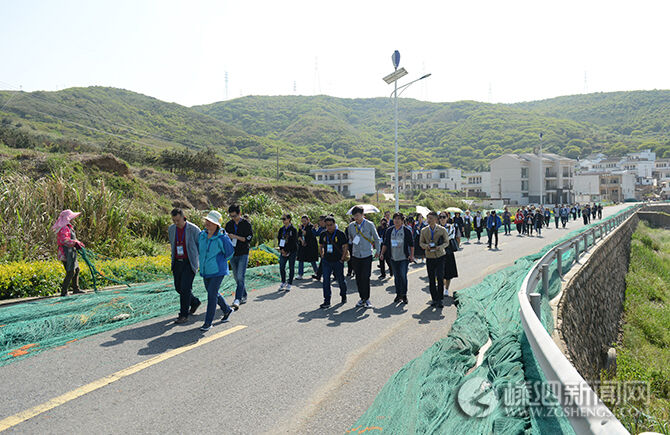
point(67, 250)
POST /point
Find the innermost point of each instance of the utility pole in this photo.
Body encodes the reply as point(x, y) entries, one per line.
point(277, 162)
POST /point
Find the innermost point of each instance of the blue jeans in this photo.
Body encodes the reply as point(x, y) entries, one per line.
point(336, 268)
point(213, 298)
point(291, 267)
point(301, 267)
point(400, 276)
point(238, 265)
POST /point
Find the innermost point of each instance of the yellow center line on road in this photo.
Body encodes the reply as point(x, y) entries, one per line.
point(15, 419)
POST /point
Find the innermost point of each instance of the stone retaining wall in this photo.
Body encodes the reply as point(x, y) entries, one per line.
point(654, 219)
point(591, 305)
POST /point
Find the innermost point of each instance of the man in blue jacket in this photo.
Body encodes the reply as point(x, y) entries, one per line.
point(183, 236)
point(493, 223)
point(398, 245)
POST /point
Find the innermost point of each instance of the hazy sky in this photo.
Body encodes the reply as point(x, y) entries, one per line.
point(498, 51)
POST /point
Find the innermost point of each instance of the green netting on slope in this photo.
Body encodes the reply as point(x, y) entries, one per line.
point(423, 396)
point(32, 327)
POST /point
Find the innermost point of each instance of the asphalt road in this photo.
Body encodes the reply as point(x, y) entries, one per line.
point(294, 368)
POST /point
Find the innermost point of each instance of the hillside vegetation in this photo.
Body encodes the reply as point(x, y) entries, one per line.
point(643, 355)
point(125, 159)
point(463, 134)
point(317, 131)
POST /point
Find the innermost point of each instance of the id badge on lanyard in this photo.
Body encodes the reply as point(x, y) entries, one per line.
point(234, 242)
point(180, 250)
point(329, 248)
point(356, 240)
point(394, 243)
point(282, 243)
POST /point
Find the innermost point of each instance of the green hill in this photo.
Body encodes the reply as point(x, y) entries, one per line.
point(318, 131)
point(464, 134)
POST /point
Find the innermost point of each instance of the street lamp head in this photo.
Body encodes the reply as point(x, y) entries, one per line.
point(395, 58)
point(425, 76)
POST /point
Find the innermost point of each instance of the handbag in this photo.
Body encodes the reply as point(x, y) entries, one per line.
point(453, 245)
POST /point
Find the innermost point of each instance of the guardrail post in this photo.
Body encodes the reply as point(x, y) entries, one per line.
point(586, 242)
point(536, 303)
point(575, 247)
point(545, 280)
point(559, 261)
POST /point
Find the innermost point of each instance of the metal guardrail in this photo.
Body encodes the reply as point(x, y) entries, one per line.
point(585, 418)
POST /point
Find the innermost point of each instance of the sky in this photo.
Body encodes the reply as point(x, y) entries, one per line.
point(180, 51)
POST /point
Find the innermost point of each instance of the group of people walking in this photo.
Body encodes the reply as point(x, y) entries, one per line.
point(396, 242)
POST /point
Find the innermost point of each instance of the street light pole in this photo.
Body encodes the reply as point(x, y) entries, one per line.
point(542, 178)
point(397, 180)
point(393, 77)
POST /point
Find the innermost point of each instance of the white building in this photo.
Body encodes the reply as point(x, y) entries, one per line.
point(527, 179)
point(642, 155)
point(422, 179)
point(661, 169)
point(587, 187)
point(348, 182)
point(616, 186)
point(477, 184)
point(587, 163)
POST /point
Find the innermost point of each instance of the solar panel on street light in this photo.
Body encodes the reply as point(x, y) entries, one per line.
point(395, 75)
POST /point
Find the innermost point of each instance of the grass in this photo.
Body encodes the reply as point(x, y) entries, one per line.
point(644, 351)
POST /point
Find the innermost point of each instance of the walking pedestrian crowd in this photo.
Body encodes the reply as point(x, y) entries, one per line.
point(395, 243)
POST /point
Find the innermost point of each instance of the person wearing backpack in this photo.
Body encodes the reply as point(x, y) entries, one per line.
point(215, 249)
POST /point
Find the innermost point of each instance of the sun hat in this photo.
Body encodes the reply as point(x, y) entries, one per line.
point(214, 217)
point(64, 218)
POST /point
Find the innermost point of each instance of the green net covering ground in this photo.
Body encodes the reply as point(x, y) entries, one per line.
point(423, 397)
point(31, 327)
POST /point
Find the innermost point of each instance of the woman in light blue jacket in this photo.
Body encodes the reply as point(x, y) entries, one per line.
point(215, 250)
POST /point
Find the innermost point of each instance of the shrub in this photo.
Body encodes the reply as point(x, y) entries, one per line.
point(43, 278)
point(260, 203)
point(261, 258)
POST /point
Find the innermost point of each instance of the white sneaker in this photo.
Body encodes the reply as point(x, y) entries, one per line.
point(446, 292)
point(298, 277)
point(360, 303)
point(368, 304)
point(281, 287)
point(236, 304)
point(288, 287)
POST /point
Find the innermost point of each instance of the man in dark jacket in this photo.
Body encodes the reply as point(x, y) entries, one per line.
point(240, 234)
point(308, 248)
point(183, 236)
point(334, 249)
point(320, 228)
point(287, 240)
point(398, 245)
point(479, 222)
point(493, 223)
